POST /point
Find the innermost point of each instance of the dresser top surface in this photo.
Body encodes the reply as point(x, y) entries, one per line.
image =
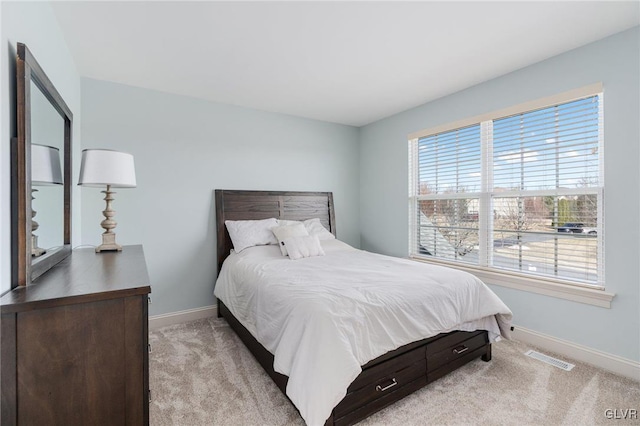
point(84, 276)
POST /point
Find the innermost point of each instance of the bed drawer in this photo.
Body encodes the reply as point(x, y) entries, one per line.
point(382, 379)
point(390, 366)
point(450, 340)
point(456, 354)
point(381, 387)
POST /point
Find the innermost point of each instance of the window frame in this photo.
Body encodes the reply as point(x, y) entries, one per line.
point(593, 294)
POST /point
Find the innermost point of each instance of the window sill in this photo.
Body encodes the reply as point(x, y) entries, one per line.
point(539, 285)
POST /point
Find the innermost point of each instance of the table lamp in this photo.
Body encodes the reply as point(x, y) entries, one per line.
point(102, 167)
point(45, 171)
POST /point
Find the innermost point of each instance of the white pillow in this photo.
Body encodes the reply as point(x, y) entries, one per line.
point(285, 222)
point(300, 247)
point(314, 227)
point(249, 233)
point(288, 231)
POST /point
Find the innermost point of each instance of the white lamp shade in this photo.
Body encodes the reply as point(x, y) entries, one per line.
point(45, 165)
point(101, 167)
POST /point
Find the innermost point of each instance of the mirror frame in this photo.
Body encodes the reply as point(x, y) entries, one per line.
point(25, 269)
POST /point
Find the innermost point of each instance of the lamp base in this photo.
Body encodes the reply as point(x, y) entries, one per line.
point(108, 243)
point(35, 250)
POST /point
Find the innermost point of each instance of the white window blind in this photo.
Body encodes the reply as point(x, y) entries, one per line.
point(522, 193)
point(448, 186)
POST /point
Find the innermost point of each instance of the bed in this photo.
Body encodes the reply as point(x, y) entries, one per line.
point(379, 381)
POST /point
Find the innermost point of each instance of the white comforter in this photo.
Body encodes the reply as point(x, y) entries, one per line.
point(323, 317)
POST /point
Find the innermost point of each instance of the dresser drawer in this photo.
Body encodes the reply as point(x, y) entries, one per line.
point(79, 358)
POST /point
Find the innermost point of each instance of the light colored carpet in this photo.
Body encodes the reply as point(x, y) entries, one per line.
point(201, 374)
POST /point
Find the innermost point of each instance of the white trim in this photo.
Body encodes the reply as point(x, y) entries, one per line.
point(413, 189)
point(613, 363)
point(537, 285)
point(157, 321)
point(552, 286)
point(534, 284)
point(571, 95)
point(485, 202)
point(601, 180)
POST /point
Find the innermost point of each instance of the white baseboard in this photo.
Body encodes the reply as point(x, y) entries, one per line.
point(613, 363)
point(163, 320)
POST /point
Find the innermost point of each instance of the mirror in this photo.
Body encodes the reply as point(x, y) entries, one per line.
point(41, 173)
point(47, 194)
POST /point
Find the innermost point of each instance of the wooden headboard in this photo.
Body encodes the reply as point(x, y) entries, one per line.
point(256, 205)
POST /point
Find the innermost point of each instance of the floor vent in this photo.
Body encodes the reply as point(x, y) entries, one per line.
point(550, 360)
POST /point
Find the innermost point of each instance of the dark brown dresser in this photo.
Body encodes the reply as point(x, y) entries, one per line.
point(74, 344)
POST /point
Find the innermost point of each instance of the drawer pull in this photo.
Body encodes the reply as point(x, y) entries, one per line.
point(382, 389)
point(460, 350)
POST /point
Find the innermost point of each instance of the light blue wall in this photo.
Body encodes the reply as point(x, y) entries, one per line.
point(615, 62)
point(34, 24)
point(184, 148)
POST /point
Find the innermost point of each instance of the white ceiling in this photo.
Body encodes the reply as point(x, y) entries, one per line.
point(343, 62)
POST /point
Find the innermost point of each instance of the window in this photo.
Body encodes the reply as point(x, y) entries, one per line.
point(520, 191)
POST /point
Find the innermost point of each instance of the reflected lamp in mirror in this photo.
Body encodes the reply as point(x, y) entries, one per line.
point(113, 169)
point(45, 171)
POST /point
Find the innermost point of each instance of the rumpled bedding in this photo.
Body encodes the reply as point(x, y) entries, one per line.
point(323, 317)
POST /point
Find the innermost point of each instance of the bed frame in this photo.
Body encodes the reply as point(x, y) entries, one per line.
point(383, 380)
